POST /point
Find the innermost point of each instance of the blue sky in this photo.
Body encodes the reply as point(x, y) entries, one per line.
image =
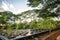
point(16, 6)
point(17, 3)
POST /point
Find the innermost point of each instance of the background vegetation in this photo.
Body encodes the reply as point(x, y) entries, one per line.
point(40, 18)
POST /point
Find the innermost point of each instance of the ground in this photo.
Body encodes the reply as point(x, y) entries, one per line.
point(54, 35)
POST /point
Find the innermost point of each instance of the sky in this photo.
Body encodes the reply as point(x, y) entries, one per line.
point(15, 6)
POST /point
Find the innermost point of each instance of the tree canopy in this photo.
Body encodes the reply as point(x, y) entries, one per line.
point(50, 8)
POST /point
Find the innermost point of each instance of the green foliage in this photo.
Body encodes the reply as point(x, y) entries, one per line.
point(43, 24)
point(5, 16)
point(4, 24)
point(33, 25)
point(9, 29)
point(34, 3)
point(58, 24)
point(47, 7)
point(50, 8)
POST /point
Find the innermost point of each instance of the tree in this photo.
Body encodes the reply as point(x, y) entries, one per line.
point(50, 8)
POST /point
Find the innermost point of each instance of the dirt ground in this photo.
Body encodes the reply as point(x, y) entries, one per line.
point(54, 35)
point(58, 38)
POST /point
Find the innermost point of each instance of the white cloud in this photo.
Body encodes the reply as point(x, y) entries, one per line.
point(1, 9)
point(4, 6)
point(7, 7)
point(22, 9)
point(15, 9)
point(11, 6)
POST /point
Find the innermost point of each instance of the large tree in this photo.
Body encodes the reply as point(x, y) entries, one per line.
point(50, 8)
